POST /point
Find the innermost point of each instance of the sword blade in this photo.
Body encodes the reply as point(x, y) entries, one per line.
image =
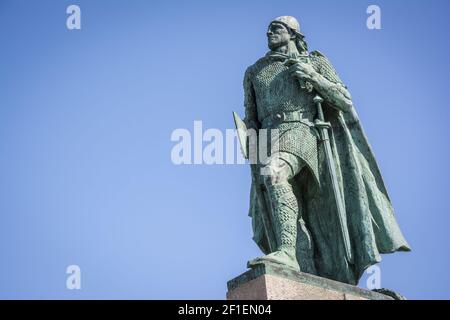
point(335, 185)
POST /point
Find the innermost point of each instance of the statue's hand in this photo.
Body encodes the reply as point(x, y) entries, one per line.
point(302, 71)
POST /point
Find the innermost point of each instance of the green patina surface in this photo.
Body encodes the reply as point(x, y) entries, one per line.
point(321, 207)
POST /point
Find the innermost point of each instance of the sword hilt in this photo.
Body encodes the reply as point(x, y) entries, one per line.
point(318, 101)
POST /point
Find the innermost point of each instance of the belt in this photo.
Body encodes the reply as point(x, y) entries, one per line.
point(290, 116)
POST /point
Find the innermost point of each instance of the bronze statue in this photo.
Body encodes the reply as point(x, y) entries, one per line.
point(323, 208)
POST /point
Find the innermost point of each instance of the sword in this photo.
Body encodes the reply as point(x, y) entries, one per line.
point(334, 180)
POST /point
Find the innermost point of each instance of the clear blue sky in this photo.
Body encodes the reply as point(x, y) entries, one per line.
point(86, 116)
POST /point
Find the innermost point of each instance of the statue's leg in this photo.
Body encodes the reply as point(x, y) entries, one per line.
point(284, 211)
point(305, 244)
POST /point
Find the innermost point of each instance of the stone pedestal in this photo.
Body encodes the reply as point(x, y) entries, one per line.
point(271, 282)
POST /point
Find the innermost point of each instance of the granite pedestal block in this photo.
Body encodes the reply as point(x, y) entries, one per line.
point(272, 282)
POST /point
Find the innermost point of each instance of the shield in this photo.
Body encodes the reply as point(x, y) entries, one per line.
point(241, 134)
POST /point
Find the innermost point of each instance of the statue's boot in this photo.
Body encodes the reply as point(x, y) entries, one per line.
point(284, 216)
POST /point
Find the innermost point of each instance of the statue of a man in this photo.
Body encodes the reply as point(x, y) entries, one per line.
point(299, 205)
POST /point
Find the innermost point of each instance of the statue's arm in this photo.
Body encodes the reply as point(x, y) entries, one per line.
point(327, 82)
point(251, 113)
point(335, 94)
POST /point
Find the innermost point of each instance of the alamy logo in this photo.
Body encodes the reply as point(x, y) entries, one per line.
point(73, 281)
point(74, 20)
point(214, 147)
point(374, 19)
point(374, 279)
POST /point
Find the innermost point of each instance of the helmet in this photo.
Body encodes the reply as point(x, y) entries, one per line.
point(289, 22)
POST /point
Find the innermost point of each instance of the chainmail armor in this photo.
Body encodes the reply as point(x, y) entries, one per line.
point(324, 67)
point(285, 214)
point(270, 89)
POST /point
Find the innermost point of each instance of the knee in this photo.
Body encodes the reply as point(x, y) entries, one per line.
point(276, 172)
